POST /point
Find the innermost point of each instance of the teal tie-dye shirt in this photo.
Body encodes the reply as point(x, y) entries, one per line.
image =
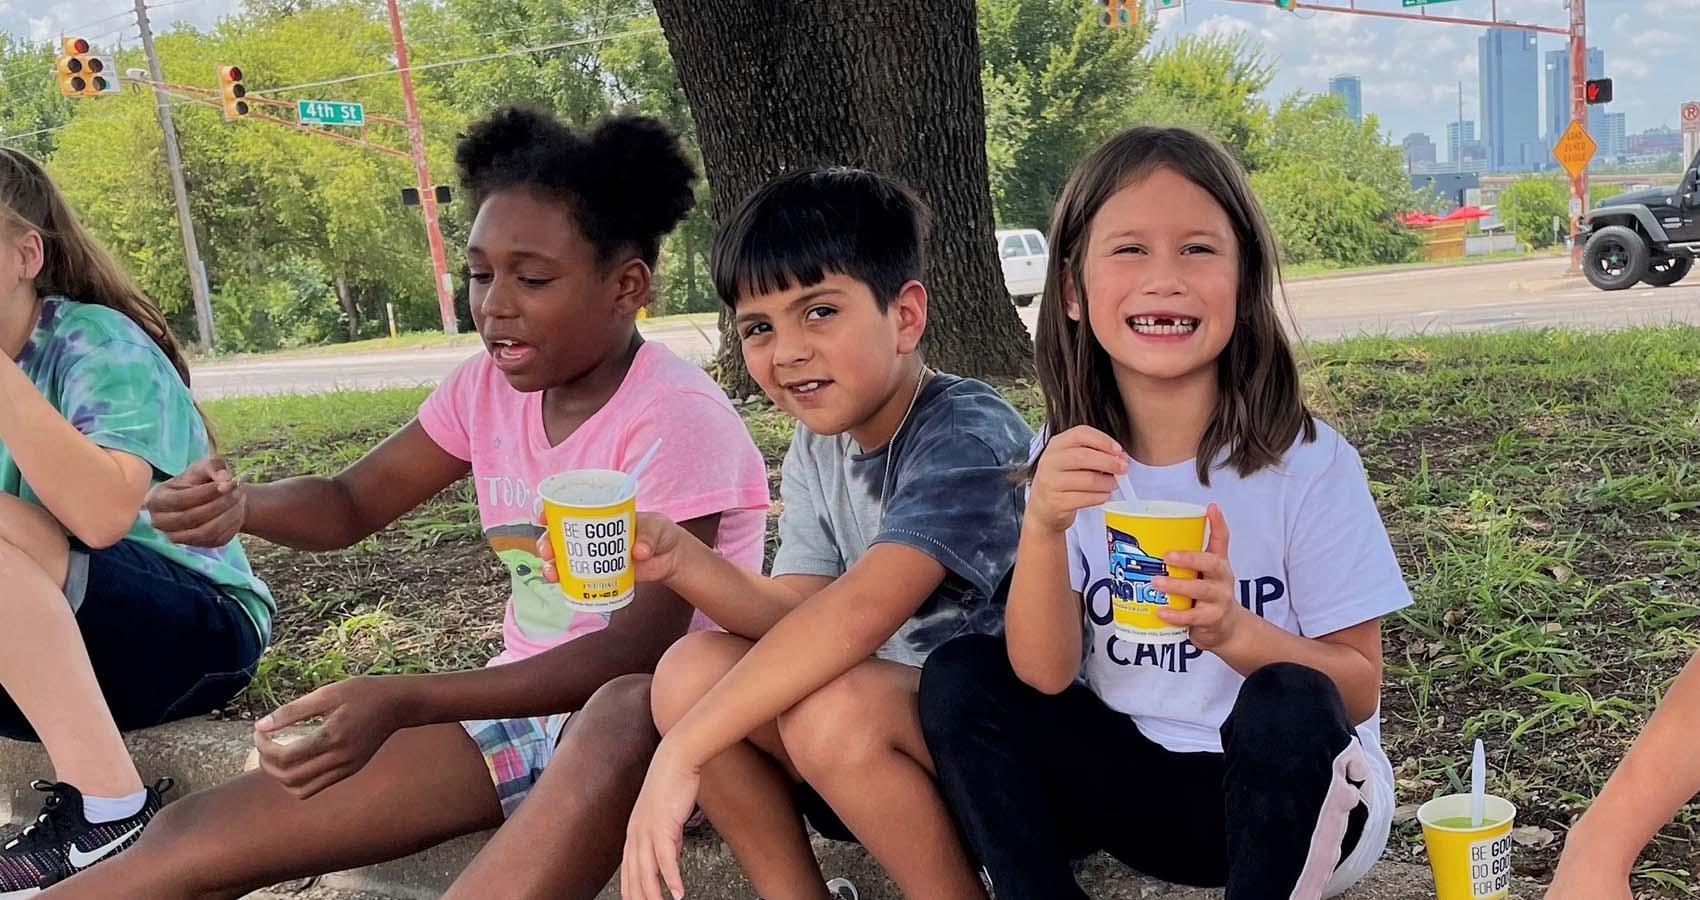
point(113, 384)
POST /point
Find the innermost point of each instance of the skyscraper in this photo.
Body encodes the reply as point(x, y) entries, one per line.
point(1419, 150)
point(1453, 146)
point(1510, 82)
point(1614, 136)
point(1558, 93)
point(1350, 90)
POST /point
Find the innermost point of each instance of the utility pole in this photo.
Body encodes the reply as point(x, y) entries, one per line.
point(1578, 113)
point(174, 161)
point(427, 196)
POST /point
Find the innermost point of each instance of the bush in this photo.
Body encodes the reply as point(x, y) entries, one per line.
point(289, 303)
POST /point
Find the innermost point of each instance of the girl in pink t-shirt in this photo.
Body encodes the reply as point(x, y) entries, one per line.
point(563, 244)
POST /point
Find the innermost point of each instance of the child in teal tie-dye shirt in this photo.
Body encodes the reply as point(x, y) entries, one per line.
point(106, 624)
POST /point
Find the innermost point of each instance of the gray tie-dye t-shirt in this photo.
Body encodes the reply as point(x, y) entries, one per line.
point(947, 494)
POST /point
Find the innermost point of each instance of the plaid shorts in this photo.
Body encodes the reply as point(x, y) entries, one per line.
point(516, 751)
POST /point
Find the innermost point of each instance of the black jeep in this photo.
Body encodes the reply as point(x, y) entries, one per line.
point(1650, 236)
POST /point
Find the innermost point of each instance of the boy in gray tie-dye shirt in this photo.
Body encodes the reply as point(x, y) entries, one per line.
point(900, 519)
point(943, 486)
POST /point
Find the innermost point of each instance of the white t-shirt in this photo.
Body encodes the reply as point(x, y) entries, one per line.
point(1309, 551)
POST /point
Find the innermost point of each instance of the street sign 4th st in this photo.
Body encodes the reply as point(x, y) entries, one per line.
point(330, 112)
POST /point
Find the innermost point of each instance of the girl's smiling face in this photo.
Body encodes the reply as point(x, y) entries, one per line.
point(1161, 269)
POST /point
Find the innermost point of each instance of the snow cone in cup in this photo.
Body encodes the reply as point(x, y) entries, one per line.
point(1139, 534)
point(592, 525)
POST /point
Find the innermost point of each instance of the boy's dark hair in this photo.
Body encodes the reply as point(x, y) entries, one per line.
point(805, 225)
point(628, 182)
point(1260, 408)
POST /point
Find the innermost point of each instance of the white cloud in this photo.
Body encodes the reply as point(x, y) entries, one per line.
point(41, 29)
point(1657, 41)
point(1634, 68)
point(1223, 24)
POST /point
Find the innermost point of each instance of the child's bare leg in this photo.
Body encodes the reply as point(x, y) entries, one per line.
point(564, 841)
point(44, 667)
point(746, 790)
point(858, 742)
point(424, 786)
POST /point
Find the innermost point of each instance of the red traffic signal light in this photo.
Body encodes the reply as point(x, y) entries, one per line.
point(231, 91)
point(1597, 91)
point(75, 46)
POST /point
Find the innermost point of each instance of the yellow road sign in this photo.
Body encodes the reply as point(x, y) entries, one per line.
point(1574, 149)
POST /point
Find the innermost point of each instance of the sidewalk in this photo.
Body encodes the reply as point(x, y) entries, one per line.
point(201, 753)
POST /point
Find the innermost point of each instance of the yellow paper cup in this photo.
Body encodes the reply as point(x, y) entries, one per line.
point(592, 532)
point(1138, 537)
point(1469, 863)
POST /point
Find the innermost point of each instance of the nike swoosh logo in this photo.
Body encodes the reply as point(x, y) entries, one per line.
point(81, 860)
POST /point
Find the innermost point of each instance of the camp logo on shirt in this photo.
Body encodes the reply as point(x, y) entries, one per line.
point(1130, 575)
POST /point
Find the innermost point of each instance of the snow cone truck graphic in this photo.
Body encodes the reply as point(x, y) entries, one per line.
point(1131, 570)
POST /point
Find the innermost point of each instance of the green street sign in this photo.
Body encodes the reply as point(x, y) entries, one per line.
point(330, 112)
point(1424, 2)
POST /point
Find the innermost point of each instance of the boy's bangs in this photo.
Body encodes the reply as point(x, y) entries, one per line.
point(788, 248)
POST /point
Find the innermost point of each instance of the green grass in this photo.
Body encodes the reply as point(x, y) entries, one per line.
point(1542, 490)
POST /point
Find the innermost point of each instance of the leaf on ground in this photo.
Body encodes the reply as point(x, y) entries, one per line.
point(1533, 836)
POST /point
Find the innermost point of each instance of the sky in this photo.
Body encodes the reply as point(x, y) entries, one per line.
point(1410, 70)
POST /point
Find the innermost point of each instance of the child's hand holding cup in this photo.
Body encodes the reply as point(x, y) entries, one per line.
point(591, 530)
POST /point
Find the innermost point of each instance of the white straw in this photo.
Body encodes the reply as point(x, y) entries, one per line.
point(1478, 785)
point(630, 484)
point(1128, 495)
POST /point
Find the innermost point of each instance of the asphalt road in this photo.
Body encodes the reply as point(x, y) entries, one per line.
point(1490, 296)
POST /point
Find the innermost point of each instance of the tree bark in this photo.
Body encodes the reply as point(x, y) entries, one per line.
point(348, 309)
point(889, 85)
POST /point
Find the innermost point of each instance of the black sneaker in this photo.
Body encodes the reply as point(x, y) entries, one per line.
point(60, 842)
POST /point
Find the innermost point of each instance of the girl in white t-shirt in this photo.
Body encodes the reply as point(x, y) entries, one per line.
point(1249, 755)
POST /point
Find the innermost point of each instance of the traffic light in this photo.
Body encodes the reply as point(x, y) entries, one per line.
point(1118, 13)
point(73, 67)
point(1597, 91)
point(231, 92)
point(83, 74)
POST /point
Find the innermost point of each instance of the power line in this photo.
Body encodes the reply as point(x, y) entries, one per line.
point(459, 62)
point(87, 25)
point(25, 134)
point(638, 13)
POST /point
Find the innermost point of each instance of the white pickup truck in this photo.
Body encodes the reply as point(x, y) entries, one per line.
point(1025, 258)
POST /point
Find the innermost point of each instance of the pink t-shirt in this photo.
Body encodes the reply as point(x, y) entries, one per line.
point(707, 464)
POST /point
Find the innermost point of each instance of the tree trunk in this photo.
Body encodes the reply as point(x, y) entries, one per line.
point(348, 309)
point(889, 85)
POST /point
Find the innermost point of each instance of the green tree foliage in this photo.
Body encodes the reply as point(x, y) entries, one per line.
point(1332, 188)
point(1528, 205)
point(30, 103)
point(1056, 84)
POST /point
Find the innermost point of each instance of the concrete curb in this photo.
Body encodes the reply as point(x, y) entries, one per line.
point(202, 753)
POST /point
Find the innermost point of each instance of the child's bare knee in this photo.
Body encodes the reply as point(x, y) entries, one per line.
point(619, 711)
point(689, 668)
point(842, 725)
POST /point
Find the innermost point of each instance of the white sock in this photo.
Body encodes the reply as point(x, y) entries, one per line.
point(99, 810)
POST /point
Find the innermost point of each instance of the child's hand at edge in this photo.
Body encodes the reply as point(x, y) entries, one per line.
point(655, 835)
point(1077, 470)
point(1216, 613)
point(654, 551)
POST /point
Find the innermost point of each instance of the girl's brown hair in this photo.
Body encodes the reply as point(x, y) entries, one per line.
point(74, 263)
point(1260, 408)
